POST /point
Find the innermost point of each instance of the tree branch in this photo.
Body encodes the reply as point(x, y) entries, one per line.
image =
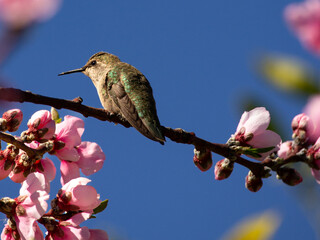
point(177, 135)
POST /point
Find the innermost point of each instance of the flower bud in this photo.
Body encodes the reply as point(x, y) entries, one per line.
point(41, 125)
point(223, 169)
point(313, 155)
point(253, 183)
point(3, 125)
point(20, 210)
point(302, 127)
point(202, 159)
point(14, 118)
point(7, 162)
point(289, 176)
point(7, 205)
point(285, 149)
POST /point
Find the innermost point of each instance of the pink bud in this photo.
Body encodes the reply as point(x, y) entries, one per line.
point(14, 118)
point(285, 149)
point(202, 159)
point(313, 154)
point(41, 125)
point(312, 110)
point(289, 176)
point(223, 169)
point(9, 233)
point(5, 165)
point(21, 169)
point(302, 127)
point(253, 183)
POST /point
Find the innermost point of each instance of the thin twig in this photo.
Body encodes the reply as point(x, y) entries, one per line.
point(11, 139)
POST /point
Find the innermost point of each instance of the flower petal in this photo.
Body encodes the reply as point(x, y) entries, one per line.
point(98, 234)
point(91, 157)
point(266, 139)
point(69, 170)
point(49, 169)
point(258, 120)
point(34, 182)
point(79, 218)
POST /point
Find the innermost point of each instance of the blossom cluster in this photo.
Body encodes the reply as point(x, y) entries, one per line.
point(253, 139)
point(23, 162)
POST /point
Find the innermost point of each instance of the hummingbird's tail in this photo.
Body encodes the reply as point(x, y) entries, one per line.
point(150, 130)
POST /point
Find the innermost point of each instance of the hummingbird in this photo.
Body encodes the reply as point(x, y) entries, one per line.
point(124, 90)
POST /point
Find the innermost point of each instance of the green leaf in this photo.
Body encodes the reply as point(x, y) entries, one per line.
point(103, 205)
point(55, 115)
point(263, 150)
point(254, 152)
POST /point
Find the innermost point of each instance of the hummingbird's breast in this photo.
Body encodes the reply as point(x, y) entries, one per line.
point(106, 101)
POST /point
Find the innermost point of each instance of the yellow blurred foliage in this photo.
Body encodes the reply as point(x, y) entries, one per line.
point(288, 74)
point(259, 227)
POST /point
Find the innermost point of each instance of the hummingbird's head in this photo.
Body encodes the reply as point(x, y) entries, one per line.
point(97, 66)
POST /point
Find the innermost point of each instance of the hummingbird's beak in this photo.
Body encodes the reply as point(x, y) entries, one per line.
point(72, 71)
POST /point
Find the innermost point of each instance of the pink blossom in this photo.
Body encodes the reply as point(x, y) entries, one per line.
point(79, 194)
point(12, 234)
point(304, 20)
point(79, 218)
point(91, 157)
point(69, 132)
point(5, 164)
point(75, 232)
point(71, 229)
point(69, 170)
point(314, 154)
point(17, 177)
point(41, 124)
point(98, 234)
point(31, 205)
point(252, 131)
point(8, 233)
point(14, 118)
point(312, 110)
point(44, 166)
point(21, 13)
point(49, 169)
point(76, 155)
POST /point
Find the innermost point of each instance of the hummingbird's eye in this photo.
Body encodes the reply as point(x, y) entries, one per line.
point(94, 62)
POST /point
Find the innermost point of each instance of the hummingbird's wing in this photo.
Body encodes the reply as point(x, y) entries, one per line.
point(132, 93)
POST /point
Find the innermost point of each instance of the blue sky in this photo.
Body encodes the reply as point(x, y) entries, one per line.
point(199, 58)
